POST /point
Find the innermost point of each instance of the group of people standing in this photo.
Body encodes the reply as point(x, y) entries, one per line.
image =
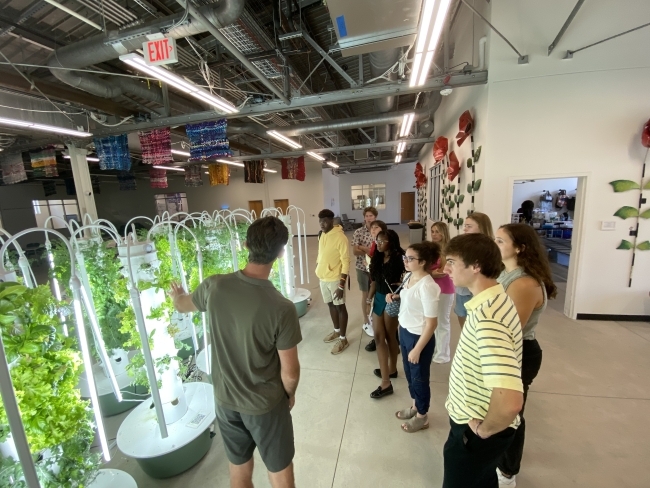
point(499, 284)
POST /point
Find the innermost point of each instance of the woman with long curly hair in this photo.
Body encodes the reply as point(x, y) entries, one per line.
point(386, 270)
point(440, 236)
point(527, 281)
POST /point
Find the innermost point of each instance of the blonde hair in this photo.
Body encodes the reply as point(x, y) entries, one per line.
point(444, 231)
point(484, 223)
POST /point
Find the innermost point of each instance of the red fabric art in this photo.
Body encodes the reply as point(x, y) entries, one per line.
point(454, 166)
point(440, 148)
point(293, 168)
point(158, 178)
point(465, 127)
point(420, 177)
point(645, 135)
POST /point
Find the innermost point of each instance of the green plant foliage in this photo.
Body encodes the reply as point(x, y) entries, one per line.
point(449, 220)
point(625, 245)
point(477, 154)
point(452, 204)
point(644, 246)
point(624, 185)
point(626, 212)
point(469, 162)
point(469, 187)
point(461, 198)
point(477, 185)
point(460, 221)
point(645, 214)
point(453, 188)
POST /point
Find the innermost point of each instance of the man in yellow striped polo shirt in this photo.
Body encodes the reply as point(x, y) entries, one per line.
point(485, 388)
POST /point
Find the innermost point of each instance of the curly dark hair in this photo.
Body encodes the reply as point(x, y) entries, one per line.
point(394, 269)
point(532, 256)
point(429, 252)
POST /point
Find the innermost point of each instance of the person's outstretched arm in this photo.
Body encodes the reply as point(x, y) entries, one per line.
point(290, 372)
point(182, 301)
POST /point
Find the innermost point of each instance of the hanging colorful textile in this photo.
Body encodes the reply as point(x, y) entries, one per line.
point(219, 174)
point(113, 152)
point(70, 189)
point(293, 168)
point(13, 168)
point(158, 178)
point(156, 145)
point(193, 175)
point(208, 140)
point(254, 171)
point(127, 181)
point(49, 187)
point(44, 163)
point(94, 181)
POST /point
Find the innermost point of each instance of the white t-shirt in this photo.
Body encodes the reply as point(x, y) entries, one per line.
point(418, 303)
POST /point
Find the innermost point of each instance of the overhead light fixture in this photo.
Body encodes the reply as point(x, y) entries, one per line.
point(407, 122)
point(332, 164)
point(172, 168)
point(316, 156)
point(232, 163)
point(398, 158)
point(270, 170)
point(400, 147)
point(88, 158)
point(179, 83)
point(428, 37)
point(290, 35)
point(286, 140)
point(43, 127)
point(180, 153)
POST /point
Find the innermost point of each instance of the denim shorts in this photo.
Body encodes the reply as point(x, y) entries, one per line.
point(459, 307)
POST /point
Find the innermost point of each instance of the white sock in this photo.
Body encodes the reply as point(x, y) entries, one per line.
point(337, 330)
point(342, 338)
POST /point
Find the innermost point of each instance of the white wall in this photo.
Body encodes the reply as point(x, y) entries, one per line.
point(398, 179)
point(331, 191)
point(532, 190)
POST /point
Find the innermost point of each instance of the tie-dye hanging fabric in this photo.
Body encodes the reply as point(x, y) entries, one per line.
point(208, 140)
point(94, 181)
point(254, 171)
point(193, 175)
point(44, 163)
point(49, 187)
point(113, 152)
point(156, 145)
point(158, 178)
point(219, 174)
point(13, 169)
point(70, 189)
point(293, 168)
point(127, 181)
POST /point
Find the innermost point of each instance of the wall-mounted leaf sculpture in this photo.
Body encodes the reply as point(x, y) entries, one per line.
point(477, 185)
point(625, 245)
point(469, 188)
point(644, 246)
point(461, 198)
point(626, 212)
point(477, 154)
point(647, 185)
point(470, 163)
point(624, 185)
point(645, 214)
point(460, 222)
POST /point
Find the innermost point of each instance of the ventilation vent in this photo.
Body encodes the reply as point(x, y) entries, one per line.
point(360, 154)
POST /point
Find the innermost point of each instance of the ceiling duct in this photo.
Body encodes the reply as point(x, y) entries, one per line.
point(109, 46)
point(380, 62)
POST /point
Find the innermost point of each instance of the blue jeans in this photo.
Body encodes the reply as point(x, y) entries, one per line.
point(418, 374)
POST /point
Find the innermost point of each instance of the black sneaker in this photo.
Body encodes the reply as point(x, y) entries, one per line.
point(371, 346)
point(379, 393)
point(378, 373)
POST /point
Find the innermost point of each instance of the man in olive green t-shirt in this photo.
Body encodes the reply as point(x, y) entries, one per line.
point(254, 334)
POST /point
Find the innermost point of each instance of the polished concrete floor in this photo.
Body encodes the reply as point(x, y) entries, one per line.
point(587, 412)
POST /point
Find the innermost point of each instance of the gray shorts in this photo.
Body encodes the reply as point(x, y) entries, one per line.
point(271, 433)
point(363, 278)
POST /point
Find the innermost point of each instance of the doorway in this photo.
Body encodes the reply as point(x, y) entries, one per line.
point(256, 206)
point(407, 200)
point(554, 208)
point(282, 205)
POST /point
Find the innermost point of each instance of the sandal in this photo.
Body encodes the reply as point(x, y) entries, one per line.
point(406, 414)
point(415, 424)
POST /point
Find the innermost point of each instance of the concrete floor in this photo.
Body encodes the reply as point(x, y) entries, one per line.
point(586, 412)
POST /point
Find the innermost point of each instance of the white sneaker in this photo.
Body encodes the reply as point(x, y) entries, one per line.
point(503, 481)
point(367, 328)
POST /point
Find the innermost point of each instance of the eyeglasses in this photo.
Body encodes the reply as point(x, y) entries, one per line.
point(410, 259)
point(381, 241)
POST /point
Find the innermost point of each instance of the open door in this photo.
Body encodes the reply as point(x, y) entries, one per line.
point(408, 206)
point(256, 206)
point(282, 205)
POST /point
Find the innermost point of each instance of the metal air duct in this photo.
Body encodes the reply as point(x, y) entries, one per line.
point(380, 62)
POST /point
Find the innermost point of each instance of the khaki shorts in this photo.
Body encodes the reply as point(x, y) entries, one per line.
point(328, 288)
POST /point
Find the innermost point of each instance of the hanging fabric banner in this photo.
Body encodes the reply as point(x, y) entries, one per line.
point(113, 152)
point(156, 145)
point(193, 176)
point(254, 171)
point(127, 181)
point(219, 174)
point(208, 140)
point(293, 168)
point(49, 187)
point(13, 168)
point(158, 178)
point(44, 163)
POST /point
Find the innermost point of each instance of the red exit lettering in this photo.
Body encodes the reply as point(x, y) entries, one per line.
point(159, 50)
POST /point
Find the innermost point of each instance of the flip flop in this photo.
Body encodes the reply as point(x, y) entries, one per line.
point(415, 424)
point(406, 414)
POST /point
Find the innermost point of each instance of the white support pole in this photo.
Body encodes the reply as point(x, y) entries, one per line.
point(82, 183)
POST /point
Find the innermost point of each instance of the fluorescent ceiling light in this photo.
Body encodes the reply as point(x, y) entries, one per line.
point(233, 163)
point(180, 153)
point(407, 122)
point(43, 127)
point(428, 37)
point(179, 83)
point(172, 168)
point(270, 170)
point(89, 158)
point(332, 164)
point(286, 140)
point(400, 147)
point(316, 156)
point(398, 158)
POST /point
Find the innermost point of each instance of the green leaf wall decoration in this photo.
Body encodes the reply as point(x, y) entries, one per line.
point(625, 245)
point(469, 162)
point(626, 212)
point(469, 188)
point(644, 246)
point(452, 204)
point(645, 214)
point(453, 188)
point(477, 185)
point(461, 199)
point(647, 185)
point(624, 185)
point(477, 154)
point(460, 222)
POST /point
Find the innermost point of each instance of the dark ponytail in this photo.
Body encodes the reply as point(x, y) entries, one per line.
point(429, 252)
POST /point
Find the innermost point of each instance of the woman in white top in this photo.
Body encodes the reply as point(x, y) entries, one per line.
point(418, 321)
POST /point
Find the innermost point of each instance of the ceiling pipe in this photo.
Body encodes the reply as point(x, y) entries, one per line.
point(380, 62)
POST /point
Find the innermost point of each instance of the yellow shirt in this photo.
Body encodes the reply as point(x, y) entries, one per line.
point(488, 356)
point(333, 255)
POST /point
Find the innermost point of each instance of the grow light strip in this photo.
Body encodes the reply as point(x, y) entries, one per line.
point(284, 139)
point(428, 37)
point(316, 156)
point(43, 127)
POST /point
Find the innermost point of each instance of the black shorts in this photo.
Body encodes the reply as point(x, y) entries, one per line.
point(271, 433)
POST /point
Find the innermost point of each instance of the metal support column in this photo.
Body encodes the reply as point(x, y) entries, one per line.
point(82, 183)
point(167, 110)
point(361, 69)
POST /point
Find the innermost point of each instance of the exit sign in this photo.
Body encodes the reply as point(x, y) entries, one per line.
point(160, 51)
